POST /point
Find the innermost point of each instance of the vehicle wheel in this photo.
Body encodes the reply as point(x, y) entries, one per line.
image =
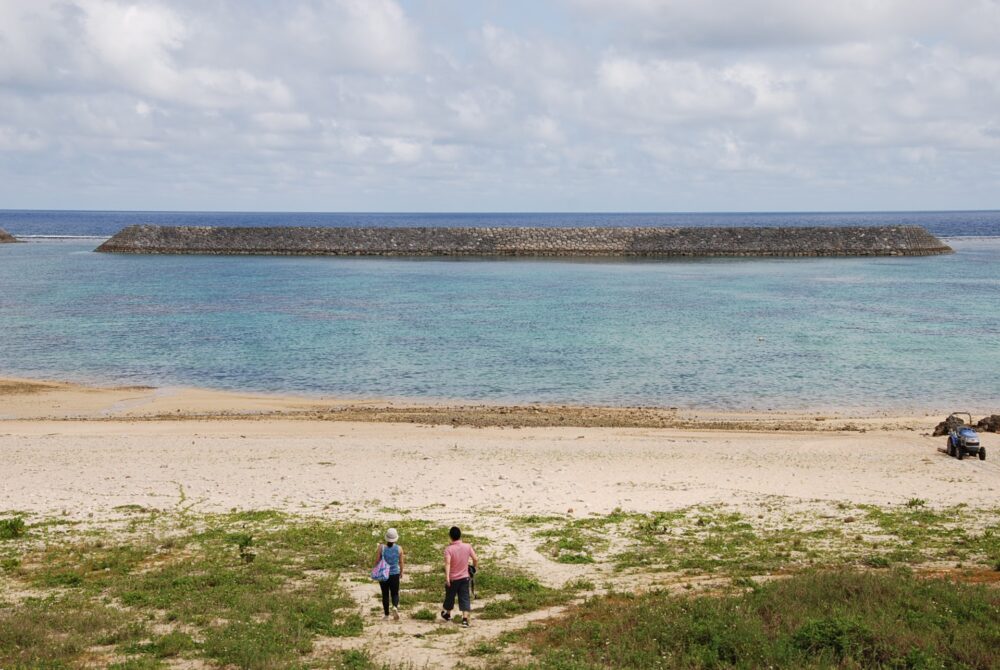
point(961, 452)
point(982, 453)
point(951, 448)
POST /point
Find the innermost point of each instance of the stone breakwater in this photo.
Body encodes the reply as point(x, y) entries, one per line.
point(567, 242)
point(6, 237)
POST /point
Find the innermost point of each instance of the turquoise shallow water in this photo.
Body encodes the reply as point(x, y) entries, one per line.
point(721, 333)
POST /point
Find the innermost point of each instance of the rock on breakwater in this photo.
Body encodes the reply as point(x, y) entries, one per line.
point(567, 242)
point(6, 237)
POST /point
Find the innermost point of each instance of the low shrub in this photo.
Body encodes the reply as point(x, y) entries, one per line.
point(424, 614)
point(840, 619)
point(12, 528)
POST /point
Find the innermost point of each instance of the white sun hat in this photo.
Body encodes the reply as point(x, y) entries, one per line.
point(391, 535)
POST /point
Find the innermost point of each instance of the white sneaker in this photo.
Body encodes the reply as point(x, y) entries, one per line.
point(395, 614)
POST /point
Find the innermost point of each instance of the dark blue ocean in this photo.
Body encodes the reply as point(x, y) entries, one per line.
point(895, 333)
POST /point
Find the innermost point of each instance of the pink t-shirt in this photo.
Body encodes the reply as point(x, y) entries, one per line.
point(460, 553)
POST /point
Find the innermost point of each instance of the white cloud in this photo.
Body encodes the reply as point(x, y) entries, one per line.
point(282, 122)
point(380, 104)
point(546, 129)
point(391, 104)
point(402, 150)
point(136, 44)
point(366, 35)
point(29, 32)
point(12, 139)
point(771, 23)
point(678, 89)
point(481, 108)
point(135, 40)
point(622, 74)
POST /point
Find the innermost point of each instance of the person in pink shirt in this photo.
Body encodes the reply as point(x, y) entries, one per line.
point(457, 557)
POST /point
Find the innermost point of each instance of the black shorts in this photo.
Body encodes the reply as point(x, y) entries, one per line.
point(460, 588)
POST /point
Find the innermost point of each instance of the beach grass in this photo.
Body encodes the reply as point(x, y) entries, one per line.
point(573, 540)
point(254, 589)
point(57, 629)
point(246, 589)
point(839, 619)
point(719, 540)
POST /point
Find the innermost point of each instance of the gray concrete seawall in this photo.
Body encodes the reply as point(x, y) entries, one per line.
point(567, 242)
point(6, 237)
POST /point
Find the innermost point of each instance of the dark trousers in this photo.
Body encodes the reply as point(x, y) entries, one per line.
point(390, 585)
point(460, 588)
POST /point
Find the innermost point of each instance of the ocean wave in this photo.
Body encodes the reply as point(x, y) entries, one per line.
point(60, 237)
point(970, 238)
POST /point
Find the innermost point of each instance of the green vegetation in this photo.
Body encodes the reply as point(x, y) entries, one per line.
point(261, 589)
point(246, 589)
point(248, 613)
point(52, 631)
point(840, 619)
point(424, 614)
point(12, 528)
point(918, 534)
point(570, 544)
point(520, 592)
point(93, 564)
point(485, 649)
point(574, 541)
point(711, 540)
point(719, 541)
point(170, 645)
point(580, 584)
point(353, 660)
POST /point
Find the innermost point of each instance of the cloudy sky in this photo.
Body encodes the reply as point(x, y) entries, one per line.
point(505, 105)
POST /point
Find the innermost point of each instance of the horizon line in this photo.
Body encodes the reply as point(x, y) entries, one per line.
point(500, 212)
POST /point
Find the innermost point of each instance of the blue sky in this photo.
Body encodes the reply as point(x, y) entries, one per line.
point(446, 105)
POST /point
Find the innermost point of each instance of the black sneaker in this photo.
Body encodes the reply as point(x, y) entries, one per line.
point(446, 615)
point(465, 622)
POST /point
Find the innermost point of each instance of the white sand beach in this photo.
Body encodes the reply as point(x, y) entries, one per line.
point(82, 451)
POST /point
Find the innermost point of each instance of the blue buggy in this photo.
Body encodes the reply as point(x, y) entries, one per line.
point(964, 441)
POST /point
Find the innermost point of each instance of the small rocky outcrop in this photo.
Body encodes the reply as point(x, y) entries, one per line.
point(989, 424)
point(6, 237)
point(948, 425)
point(583, 241)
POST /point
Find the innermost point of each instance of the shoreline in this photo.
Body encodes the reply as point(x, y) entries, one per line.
point(37, 398)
